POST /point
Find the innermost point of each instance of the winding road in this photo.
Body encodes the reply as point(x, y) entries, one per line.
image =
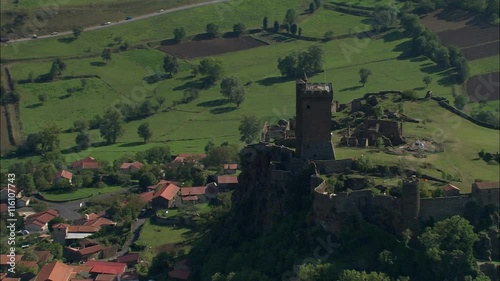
point(167, 11)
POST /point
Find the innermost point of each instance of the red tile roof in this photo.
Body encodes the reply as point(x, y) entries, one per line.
point(450, 187)
point(227, 179)
point(105, 277)
point(64, 174)
point(60, 226)
point(54, 271)
point(181, 157)
point(128, 258)
point(487, 184)
point(41, 218)
point(4, 259)
point(147, 196)
point(10, 279)
point(43, 255)
point(167, 191)
point(195, 190)
point(106, 267)
point(90, 250)
point(129, 165)
point(179, 274)
point(230, 166)
point(31, 264)
point(99, 222)
point(86, 163)
point(82, 229)
point(190, 198)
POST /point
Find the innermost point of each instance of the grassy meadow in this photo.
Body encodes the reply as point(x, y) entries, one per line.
point(80, 193)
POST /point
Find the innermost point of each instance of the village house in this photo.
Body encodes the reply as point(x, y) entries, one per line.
point(94, 220)
point(4, 193)
point(83, 254)
point(199, 194)
point(63, 175)
point(131, 167)
point(225, 182)
point(165, 196)
point(129, 259)
point(39, 221)
point(487, 192)
point(89, 163)
point(55, 271)
point(23, 202)
point(450, 190)
point(103, 267)
point(230, 168)
point(4, 261)
point(184, 156)
point(65, 234)
point(181, 271)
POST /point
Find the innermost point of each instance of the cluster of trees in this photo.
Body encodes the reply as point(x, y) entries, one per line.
point(427, 43)
point(487, 156)
point(486, 115)
point(212, 69)
point(383, 17)
point(309, 61)
point(231, 88)
point(488, 8)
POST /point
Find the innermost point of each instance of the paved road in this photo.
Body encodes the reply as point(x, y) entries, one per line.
point(136, 230)
point(69, 210)
point(167, 11)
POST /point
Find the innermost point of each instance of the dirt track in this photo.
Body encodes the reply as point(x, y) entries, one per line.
point(204, 48)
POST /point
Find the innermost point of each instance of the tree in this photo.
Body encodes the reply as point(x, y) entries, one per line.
point(364, 73)
point(460, 102)
point(160, 101)
point(42, 98)
point(232, 89)
point(83, 140)
point(212, 69)
point(293, 28)
point(291, 16)
point(145, 109)
point(179, 34)
point(441, 57)
point(147, 179)
point(409, 95)
point(170, 65)
point(118, 40)
point(158, 155)
point(27, 184)
point(409, 23)
point(54, 70)
point(111, 126)
point(264, 23)
point(317, 3)
point(77, 31)
point(353, 275)
point(329, 35)
point(106, 55)
point(308, 61)
point(144, 132)
point(49, 138)
point(61, 65)
point(239, 29)
point(249, 129)
point(312, 8)
point(383, 16)
point(212, 30)
point(80, 125)
point(300, 31)
point(190, 95)
point(276, 26)
point(427, 80)
point(379, 111)
point(449, 247)
point(287, 27)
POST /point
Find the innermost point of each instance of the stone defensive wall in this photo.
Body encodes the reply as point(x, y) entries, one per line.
point(443, 207)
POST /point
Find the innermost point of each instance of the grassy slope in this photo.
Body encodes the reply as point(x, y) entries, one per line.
point(316, 24)
point(80, 193)
point(157, 28)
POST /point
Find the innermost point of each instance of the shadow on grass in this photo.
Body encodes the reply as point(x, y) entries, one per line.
point(431, 69)
point(419, 88)
point(269, 81)
point(448, 80)
point(213, 103)
point(222, 110)
point(393, 36)
point(66, 40)
point(418, 59)
point(168, 42)
point(64, 97)
point(196, 84)
point(35, 105)
point(353, 88)
point(132, 144)
point(97, 63)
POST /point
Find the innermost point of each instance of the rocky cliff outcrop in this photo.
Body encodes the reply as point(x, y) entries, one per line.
point(273, 184)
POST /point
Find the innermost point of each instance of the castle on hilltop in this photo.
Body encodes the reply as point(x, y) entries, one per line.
point(310, 133)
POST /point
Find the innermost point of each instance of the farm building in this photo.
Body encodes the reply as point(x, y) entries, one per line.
point(89, 163)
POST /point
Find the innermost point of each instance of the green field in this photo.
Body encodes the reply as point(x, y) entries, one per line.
point(340, 23)
point(80, 193)
point(225, 15)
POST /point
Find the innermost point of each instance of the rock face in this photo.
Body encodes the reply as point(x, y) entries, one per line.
point(273, 184)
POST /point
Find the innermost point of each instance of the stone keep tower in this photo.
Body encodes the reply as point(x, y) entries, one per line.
point(314, 120)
